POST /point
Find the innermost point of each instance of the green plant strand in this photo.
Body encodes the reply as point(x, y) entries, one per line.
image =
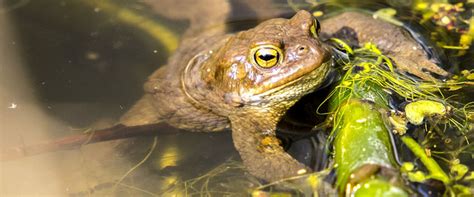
point(435, 170)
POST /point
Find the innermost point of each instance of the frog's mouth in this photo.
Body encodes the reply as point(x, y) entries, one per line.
point(309, 77)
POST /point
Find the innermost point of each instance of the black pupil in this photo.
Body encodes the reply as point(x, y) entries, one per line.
point(318, 26)
point(266, 57)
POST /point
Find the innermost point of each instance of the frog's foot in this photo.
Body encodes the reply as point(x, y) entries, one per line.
point(394, 41)
point(264, 156)
point(420, 67)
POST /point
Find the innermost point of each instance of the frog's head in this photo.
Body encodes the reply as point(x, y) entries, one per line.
point(278, 60)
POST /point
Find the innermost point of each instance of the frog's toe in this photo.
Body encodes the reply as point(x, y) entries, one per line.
point(429, 66)
point(422, 68)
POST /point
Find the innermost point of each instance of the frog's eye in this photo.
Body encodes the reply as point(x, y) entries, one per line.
point(315, 28)
point(267, 56)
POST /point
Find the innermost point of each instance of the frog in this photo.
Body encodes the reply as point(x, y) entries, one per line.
point(246, 81)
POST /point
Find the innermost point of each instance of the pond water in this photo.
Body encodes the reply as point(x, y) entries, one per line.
point(68, 67)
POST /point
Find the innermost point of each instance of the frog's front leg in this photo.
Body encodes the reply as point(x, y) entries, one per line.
point(262, 153)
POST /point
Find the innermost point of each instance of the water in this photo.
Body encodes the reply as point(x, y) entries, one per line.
point(71, 67)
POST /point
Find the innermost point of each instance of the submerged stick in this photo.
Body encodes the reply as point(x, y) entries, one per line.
point(76, 141)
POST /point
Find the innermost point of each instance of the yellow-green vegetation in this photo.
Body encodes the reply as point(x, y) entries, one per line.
point(398, 122)
point(378, 187)
point(449, 17)
point(361, 138)
point(417, 111)
point(434, 169)
point(369, 81)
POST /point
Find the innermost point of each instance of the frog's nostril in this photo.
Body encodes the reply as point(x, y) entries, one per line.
point(302, 49)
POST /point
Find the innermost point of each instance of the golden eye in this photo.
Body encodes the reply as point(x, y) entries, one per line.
point(315, 28)
point(267, 56)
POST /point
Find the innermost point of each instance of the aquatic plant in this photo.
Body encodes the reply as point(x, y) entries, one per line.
point(370, 77)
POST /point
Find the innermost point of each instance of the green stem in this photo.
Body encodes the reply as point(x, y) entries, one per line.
point(435, 170)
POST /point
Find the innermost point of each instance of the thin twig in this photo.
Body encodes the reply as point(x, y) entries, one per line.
point(75, 141)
